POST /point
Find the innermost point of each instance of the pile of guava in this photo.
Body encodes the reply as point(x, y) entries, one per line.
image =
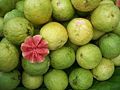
point(58, 44)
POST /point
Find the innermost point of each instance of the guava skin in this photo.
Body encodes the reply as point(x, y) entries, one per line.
point(17, 29)
point(1, 26)
point(110, 45)
point(36, 68)
point(62, 58)
point(116, 60)
point(20, 5)
point(117, 29)
point(104, 70)
point(56, 80)
point(88, 56)
point(105, 17)
point(80, 79)
point(62, 10)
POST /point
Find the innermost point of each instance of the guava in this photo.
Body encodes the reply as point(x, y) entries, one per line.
point(56, 80)
point(38, 11)
point(80, 31)
point(17, 29)
point(36, 68)
point(104, 70)
point(85, 5)
point(88, 56)
point(106, 16)
point(55, 34)
point(9, 80)
point(35, 49)
point(20, 5)
point(80, 79)
point(1, 26)
point(117, 29)
point(110, 45)
point(31, 82)
point(116, 60)
point(97, 34)
point(62, 58)
point(12, 14)
point(62, 10)
point(9, 57)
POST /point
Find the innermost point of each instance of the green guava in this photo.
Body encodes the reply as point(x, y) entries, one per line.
point(17, 29)
point(12, 14)
point(9, 57)
point(1, 26)
point(104, 70)
point(9, 80)
point(31, 82)
point(105, 17)
point(88, 56)
point(62, 10)
point(20, 5)
point(62, 58)
point(110, 45)
point(85, 5)
point(116, 60)
point(80, 31)
point(56, 80)
point(38, 11)
point(55, 34)
point(117, 29)
point(97, 34)
point(36, 68)
point(80, 79)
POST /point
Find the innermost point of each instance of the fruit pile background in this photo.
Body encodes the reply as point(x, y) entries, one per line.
point(59, 44)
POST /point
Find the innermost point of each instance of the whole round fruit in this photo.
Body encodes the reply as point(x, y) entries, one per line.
point(31, 82)
point(80, 79)
point(80, 31)
point(85, 5)
point(36, 68)
point(62, 10)
point(56, 80)
point(116, 60)
point(38, 11)
point(1, 26)
point(9, 80)
point(55, 34)
point(12, 14)
point(110, 45)
point(62, 58)
point(9, 57)
point(88, 56)
point(104, 70)
point(17, 29)
point(105, 17)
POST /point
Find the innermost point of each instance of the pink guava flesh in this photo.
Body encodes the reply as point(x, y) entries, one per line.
point(34, 49)
point(118, 3)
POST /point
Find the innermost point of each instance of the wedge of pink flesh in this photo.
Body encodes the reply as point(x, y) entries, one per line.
point(34, 49)
point(118, 3)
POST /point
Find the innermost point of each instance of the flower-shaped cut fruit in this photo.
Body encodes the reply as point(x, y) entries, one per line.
point(35, 49)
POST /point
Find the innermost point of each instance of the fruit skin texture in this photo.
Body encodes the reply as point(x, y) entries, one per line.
point(31, 82)
point(80, 79)
point(116, 60)
point(80, 31)
point(36, 68)
point(88, 56)
point(56, 80)
point(104, 70)
point(105, 17)
point(20, 5)
point(117, 29)
point(9, 80)
point(9, 57)
point(1, 26)
point(55, 34)
point(110, 45)
point(38, 11)
point(85, 5)
point(62, 58)
point(62, 10)
point(17, 29)
point(12, 14)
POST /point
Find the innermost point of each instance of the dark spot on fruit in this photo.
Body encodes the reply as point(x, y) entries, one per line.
point(112, 14)
point(81, 55)
point(75, 80)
